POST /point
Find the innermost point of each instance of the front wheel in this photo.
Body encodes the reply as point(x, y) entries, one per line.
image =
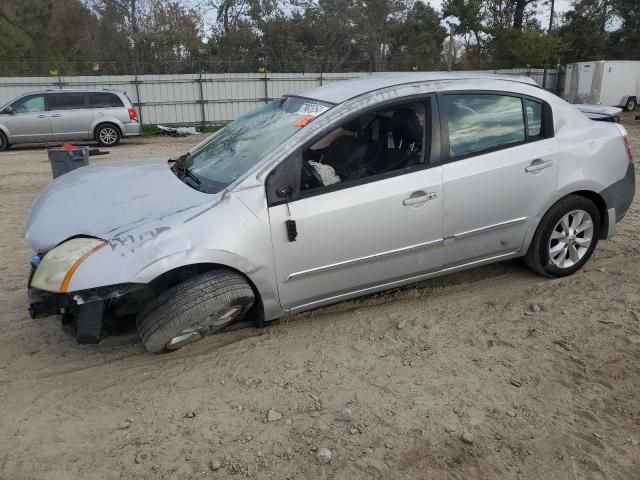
point(3, 142)
point(566, 237)
point(193, 309)
point(108, 135)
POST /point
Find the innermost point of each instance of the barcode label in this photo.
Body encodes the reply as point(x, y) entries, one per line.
point(312, 109)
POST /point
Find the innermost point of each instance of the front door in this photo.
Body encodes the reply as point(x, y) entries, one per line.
point(70, 114)
point(502, 171)
point(358, 237)
point(29, 121)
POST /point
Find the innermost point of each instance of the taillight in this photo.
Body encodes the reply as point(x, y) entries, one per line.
point(627, 146)
point(133, 114)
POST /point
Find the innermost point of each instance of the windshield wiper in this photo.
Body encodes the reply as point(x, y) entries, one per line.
point(181, 170)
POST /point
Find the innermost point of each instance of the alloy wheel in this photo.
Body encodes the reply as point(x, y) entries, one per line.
point(571, 238)
point(108, 135)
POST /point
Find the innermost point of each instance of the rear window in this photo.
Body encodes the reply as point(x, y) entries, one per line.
point(65, 101)
point(479, 123)
point(104, 100)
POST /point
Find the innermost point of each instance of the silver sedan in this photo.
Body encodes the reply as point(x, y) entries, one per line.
point(338, 192)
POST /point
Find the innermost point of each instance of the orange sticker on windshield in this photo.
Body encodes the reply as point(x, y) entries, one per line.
point(301, 122)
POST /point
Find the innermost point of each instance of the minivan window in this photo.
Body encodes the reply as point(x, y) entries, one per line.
point(65, 101)
point(483, 122)
point(31, 104)
point(104, 100)
point(244, 142)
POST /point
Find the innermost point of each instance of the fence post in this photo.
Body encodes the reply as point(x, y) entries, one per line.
point(59, 76)
point(136, 82)
point(203, 114)
point(266, 87)
point(321, 70)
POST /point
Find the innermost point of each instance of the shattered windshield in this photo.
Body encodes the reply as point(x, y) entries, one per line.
point(244, 142)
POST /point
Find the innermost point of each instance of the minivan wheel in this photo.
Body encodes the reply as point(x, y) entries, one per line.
point(108, 135)
point(193, 309)
point(3, 142)
point(566, 237)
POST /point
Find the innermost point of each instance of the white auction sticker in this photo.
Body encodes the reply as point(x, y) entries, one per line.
point(312, 109)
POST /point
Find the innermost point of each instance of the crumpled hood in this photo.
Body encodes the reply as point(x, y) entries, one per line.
point(106, 199)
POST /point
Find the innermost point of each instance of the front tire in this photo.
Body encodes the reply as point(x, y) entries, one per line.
point(194, 309)
point(566, 237)
point(108, 135)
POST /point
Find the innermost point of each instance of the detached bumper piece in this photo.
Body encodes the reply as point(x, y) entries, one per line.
point(84, 322)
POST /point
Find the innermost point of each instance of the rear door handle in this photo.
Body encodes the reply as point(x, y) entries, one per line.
point(538, 164)
point(42, 116)
point(419, 197)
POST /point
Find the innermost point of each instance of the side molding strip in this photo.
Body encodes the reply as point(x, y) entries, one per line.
point(360, 260)
point(488, 228)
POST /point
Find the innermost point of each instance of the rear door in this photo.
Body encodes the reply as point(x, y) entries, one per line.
point(30, 120)
point(107, 104)
point(502, 169)
point(70, 115)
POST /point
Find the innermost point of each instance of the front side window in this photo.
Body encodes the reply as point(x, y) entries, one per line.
point(33, 104)
point(241, 144)
point(104, 100)
point(377, 143)
point(479, 123)
point(66, 101)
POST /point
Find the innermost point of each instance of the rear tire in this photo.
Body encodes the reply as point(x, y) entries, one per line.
point(4, 144)
point(631, 105)
point(194, 309)
point(108, 135)
point(566, 237)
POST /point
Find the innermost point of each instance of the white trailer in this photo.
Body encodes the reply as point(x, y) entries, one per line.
point(606, 82)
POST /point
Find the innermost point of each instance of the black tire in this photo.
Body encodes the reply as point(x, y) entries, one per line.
point(538, 256)
point(108, 135)
point(4, 144)
point(631, 105)
point(190, 305)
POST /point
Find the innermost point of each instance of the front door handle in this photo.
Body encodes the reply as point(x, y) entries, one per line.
point(42, 116)
point(419, 197)
point(538, 164)
point(55, 115)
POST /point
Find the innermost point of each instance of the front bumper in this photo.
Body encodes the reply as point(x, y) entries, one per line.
point(43, 304)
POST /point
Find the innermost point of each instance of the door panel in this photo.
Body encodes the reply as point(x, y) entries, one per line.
point(30, 122)
point(359, 237)
point(70, 117)
point(490, 199)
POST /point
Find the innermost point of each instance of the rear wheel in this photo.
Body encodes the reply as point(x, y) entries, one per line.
point(3, 142)
point(631, 105)
point(193, 309)
point(108, 135)
point(566, 237)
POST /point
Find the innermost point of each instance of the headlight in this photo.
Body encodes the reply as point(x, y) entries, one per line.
point(58, 266)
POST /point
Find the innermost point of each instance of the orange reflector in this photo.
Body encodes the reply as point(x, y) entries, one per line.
point(67, 278)
point(301, 122)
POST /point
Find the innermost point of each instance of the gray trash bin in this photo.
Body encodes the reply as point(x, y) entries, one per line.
point(66, 158)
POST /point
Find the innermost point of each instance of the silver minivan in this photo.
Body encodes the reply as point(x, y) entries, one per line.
point(61, 115)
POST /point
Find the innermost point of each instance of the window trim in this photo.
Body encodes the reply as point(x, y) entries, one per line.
point(547, 122)
point(84, 96)
point(431, 136)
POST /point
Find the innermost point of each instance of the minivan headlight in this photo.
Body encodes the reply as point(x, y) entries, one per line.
point(57, 267)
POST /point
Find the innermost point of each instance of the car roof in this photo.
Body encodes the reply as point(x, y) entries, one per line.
point(74, 90)
point(339, 92)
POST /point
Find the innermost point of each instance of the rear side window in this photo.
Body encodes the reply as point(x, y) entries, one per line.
point(66, 101)
point(533, 112)
point(105, 100)
point(479, 123)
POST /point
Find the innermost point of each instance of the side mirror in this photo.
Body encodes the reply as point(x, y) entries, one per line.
point(9, 111)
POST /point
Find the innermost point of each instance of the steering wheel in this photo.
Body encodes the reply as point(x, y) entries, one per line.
point(312, 172)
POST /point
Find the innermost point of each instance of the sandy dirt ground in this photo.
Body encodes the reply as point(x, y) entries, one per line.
point(553, 394)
